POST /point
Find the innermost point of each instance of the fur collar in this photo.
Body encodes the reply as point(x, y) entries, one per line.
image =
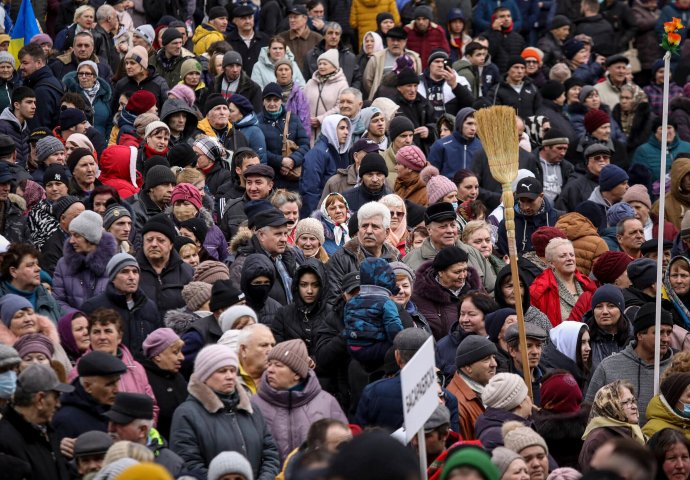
point(180, 319)
point(45, 327)
point(95, 261)
point(388, 251)
point(210, 401)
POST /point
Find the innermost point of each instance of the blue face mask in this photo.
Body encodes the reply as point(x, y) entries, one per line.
point(8, 383)
point(455, 205)
point(686, 410)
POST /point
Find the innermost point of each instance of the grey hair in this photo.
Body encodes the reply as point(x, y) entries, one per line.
point(247, 332)
point(283, 196)
point(104, 12)
point(553, 244)
point(357, 93)
point(332, 26)
point(373, 209)
point(620, 226)
point(83, 33)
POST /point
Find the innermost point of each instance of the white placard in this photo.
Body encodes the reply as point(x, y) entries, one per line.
point(419, 389)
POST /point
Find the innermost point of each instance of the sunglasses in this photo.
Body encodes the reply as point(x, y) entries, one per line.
point(397, 214)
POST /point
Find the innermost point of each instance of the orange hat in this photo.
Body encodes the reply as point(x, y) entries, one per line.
point(532, 52)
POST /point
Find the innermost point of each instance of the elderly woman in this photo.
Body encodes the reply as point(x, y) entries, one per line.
point(371, 43)
point(20, 274)
point(35, 348)
point(82, 163)
point(289, 203)
point(672, 451)
point(570, 350)
point(163, 352)
point(309, 237)
point(404, 279)
point(478, 234)
point(81, 273)
point(96, 91)
point(398, 232)
point(324, 87)
point(217, 416)
point(609, 329)
point(614, 414)
point(290, 396)
point(439, 286)
point(410, 161)
point(9, 78)
point(277, 51)
point(73, 329)
point(293, 94)
point(243, 117)
point(556, 290)
point(667, 410)
point(334, 215)
point(272, 123)
point(633, 116)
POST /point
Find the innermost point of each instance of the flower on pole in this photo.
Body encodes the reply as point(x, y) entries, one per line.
point(671, 39)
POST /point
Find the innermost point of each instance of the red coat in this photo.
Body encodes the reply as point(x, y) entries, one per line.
point(544, 293)
point(118, 169)
point(427, 42)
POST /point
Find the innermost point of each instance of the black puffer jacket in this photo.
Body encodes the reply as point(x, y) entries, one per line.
point(9, 125)
point(153, 83)
point(299, 320)
point(173, 106)
point(164, 289)
point(527, 102)
point(15, 227)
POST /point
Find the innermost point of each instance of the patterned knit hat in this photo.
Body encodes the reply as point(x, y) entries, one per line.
point(595, 119)
point(412, 157)
point(196, 294)
point(437, 185)
point(292, 353)
point(502, 457)
point(310, 226)
point(211, 271)
point(517, 437)
point(504, 391)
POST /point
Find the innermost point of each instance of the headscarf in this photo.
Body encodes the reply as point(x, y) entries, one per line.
point(82, 141)
point(397, 235)
point(66, 337)
point(378, 42)
point(678, 304)
point(607, 411)
point(534, 127)
point(340, 231)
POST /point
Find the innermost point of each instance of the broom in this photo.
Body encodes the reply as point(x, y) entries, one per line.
point(497, 130)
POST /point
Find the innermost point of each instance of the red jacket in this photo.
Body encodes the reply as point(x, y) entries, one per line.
point(427, 42)
point(544, 293)
point(118, 169)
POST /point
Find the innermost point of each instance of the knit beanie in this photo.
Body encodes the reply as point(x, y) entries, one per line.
point(6, 57)
point(230, 316)
point(552, 89)
point(400, 268)
point(473, 348)
point(232, 58)
point(47, 146)
point(214, 100)
point(153, 126)
point(517, 437)
point(595, 119)
point(611, 176)
point(10, 304)
point(619, 211)
point(186, 192)
point(196, 294)
point(118, 262)
point(502, 457)
point(8, 356)
point(89, 225)
point(412, 157)
point(34, 343)
point(162, 224)
point(407, 76)
point(158, 175)
point(646, 317)
point(157, 341)
point(210, 271)
point(638, 193)
point(181, 155)
point(91, 64)
point(533, 52)
point(61, 206)
point(437, 185)
point(672, 387)
point(113, 214)
point(310, 226)
point(470, 456)
point(242, 104)
point(610, 265)
point(141, 101)
point(197, 226)
point(146, 32)
point(642, 273)
point(494, 322)
point(226, 463)
point(292, 353)
point(224, 295)
point(398, 126)
point(571, 47)
point(76, 155)
point(505, 391)
point(188, 66)
point(170, 35)
point(447, 257)
point(139, 55)
point(542, 236)
point(332, 56)
point(145, 470)
point(560, 393)
point(211, 358)
point(373, 162)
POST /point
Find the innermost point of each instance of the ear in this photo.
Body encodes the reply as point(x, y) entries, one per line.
point(13, 272)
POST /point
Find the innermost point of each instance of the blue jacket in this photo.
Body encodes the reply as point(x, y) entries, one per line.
point(49, 92)
point(649, 153)
point(484, 10)
point(455, 152)
point(525, 227)
point(249, 126)
point(381, 405)
point(320, 164)
point(273, 135)
point(102, 114)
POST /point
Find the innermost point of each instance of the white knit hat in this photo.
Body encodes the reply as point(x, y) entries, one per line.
point(332, 56)
point(89, 225)
point(229, 462)
point(232, 314)
point(517, 437)
point(504, 391)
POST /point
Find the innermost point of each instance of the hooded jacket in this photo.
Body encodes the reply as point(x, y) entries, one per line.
point(648, 153)
point(455, 152)
point(263, 71)
point(627, 365)
point(173, 106)
point(561, 353)
point(290, 413)
point(9, 125)
point(153, 83)
point(322, 162)
point(677, 200)
point(525, 225)
point(118, 170)
point(300, 320)
point(586, 240)
point(80, 277)
point(661, 415)
point(204, 36)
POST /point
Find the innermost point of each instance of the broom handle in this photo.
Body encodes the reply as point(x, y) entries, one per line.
point(508, 204)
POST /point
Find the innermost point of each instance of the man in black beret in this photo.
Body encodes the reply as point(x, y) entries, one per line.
point(94, 393)
point(372, 173)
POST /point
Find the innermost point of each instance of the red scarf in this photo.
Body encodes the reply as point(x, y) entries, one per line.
point(150, 152)
point(503, 30)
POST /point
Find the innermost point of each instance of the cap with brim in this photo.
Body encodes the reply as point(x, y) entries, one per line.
point(41, 378)
point(350, 282)
point(532, 331)
point(618, 58)
point(298, 10)
point(439, 212)
point(242, 11)
point(397, 32)
point(529, 187)
point(259, 170)
point(95, 364)
point(440, 417)
point(39, 133)
point(270, 218)
point(129, 407)
point(365, 145)
point(94, 442)
point(597, 149)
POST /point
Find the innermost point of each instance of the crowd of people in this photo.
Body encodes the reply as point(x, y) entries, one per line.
point(226, 227)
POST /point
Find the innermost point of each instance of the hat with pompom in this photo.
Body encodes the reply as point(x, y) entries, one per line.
point(437, 185)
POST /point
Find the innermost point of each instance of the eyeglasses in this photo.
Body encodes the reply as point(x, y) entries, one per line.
point(397, 214)
point(531, 61)
point(85, 74)
point(600, 158)
point(629, 403)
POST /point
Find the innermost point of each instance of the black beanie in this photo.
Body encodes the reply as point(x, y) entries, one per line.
point(160, 223)
point(196, 226)
point(213, 101)
point(224, 295)
point(646, 316)
point(75, 156)
point(400, 125)
point(449, 256)
point(373, 162)
point(673, 386)
point(181, 155)
point(406, 77)
point(552, 89)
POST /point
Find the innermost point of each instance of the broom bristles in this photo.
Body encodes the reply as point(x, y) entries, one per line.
point(497, 130)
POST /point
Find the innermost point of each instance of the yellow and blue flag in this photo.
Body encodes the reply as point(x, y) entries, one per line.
point(25, 27)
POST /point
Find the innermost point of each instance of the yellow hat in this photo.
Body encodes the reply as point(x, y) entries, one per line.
point(145, 471)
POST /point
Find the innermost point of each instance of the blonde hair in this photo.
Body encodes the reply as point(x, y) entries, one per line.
point(474, 226)
point(680, 363)
point(185, 247)
point(189, 175)
point(553, 245)
point(127, 449)
point(80, 11)
point(393, 201)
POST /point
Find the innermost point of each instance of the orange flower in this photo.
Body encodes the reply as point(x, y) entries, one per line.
point(669, 27)
point(678, 23)
point(674, 38)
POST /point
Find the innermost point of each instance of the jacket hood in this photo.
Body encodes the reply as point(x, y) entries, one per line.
point(10, 117)
point(179, 319)
point(248, 121)
point(679, 168)
point(462, 116)
point(175, 105)
point(564, 337)
point(377, 272)
point(120, 162)
point(266, 60)
point(311, 265)
point(576, 225)
point(658, 409)
point(256, 265)
point(328, 130)
point(498, 291)
point(290, 398)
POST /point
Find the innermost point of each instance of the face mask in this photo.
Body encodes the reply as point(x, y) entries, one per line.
point(257, 294)
point(8, 383)
point(455, 205)
point(686, 410)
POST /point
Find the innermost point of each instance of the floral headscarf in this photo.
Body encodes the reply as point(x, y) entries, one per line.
point(340, 231)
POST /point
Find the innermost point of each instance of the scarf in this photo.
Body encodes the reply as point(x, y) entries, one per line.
point(340, 231)
point(671, 295)
point(273, 116)
point(400, 233)
point(325, 78)
point(287, 90)
point(229, 400)
point(91, 92)
point(603, 422)
point(150, 152)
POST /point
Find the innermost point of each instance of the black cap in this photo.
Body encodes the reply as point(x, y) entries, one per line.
point(439, 212)
point(217, 12)
point(449, 256)
point(95, 364)
point(260, 170)
point(350, 281)
point(298, 10)
point(93, 442)
point(397, 32)
point(270, 218)
point(272, 90)
point(618, 58)
point(129, 407)
point(224, 295)
point(39, 133)
point(529, 187)
point(7, 145)
point(650, 246)
point(242, 11)
point(365, 144)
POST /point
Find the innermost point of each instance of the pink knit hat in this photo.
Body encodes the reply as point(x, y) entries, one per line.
point(184, 93)
point(186, 191)
point(437, 185)
point(211, 358)
point(411, 157)
point(158, 340)
point(638, 193)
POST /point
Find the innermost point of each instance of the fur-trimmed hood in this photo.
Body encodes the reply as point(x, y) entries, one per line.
point(180, 319)
point(240, 240)
point(45, 327)
point(95, 261)
point(210, 401)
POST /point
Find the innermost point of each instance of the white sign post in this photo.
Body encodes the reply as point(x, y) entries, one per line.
point(419, 396)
